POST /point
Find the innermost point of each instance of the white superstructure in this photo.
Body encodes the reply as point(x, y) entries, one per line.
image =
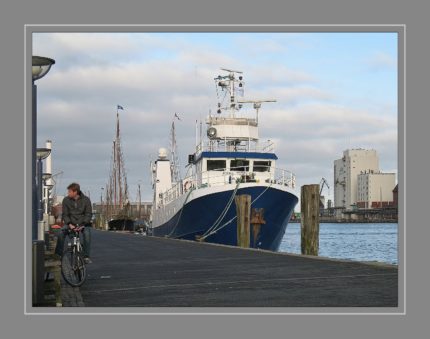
point(162, 176)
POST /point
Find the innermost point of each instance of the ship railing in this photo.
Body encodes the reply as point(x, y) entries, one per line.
point(172, 193)
point(242, 174)
point(213, 120)
point(284, 177)
point(230, 175)
point(224, 146)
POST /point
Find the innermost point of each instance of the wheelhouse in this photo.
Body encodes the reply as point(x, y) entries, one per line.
point(228, 167)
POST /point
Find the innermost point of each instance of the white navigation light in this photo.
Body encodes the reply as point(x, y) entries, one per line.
point(211, 132)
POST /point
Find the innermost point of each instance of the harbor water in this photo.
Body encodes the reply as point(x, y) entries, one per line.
point(360, 242)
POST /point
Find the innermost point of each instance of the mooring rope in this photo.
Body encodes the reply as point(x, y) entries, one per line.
point(224, 212)
point(180, 213)
point(229, 221)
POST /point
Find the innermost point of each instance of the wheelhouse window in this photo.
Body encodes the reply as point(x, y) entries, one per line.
point(262, 166)
point(216, 165)
point(239, 165)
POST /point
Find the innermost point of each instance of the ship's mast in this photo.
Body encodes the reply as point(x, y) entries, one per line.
point(117, 190)
point(119, 161)
point(176, 171)
point(114, 173)
point(140, 199)
point(233, 132)
point(230, 84)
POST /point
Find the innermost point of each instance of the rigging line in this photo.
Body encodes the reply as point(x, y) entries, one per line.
point(229, 221)
point(224, 212)
point(180, 213)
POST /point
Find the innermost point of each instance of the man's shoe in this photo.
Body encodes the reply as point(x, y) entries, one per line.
point(87, 260)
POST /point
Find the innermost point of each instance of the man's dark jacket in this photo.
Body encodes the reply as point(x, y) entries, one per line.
point(77, 211)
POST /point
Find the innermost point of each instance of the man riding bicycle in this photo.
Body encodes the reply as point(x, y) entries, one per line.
point(77, 210)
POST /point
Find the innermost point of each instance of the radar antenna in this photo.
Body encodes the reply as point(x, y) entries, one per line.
point(257, 104)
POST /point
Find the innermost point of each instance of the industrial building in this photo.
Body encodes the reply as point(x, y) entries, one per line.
point(346, 171)
point(375, 190)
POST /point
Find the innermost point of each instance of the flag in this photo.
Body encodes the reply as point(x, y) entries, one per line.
point(119, 107)
point(177, 116)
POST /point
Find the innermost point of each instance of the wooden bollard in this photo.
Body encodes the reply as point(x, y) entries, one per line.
point(243, 210)
point(310, 201)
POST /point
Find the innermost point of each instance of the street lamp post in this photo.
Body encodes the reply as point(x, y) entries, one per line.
point(40, 67)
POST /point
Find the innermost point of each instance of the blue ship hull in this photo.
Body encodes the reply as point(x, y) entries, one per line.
point(198, 215)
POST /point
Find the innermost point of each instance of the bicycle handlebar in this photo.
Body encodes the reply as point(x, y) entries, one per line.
point(77, 229)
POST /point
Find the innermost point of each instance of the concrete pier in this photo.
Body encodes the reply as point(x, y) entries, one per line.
point(135, 270)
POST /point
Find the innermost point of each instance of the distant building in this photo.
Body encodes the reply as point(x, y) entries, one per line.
point(346, 171)
point(375, 190)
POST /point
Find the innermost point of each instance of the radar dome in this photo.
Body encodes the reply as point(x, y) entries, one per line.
point(162, 153)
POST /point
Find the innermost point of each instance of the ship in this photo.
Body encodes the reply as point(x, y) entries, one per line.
point(116, 209)
point(229, 161)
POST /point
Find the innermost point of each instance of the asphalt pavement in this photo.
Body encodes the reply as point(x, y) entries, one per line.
point(131, 270)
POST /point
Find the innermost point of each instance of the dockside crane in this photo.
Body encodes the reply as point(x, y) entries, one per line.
point(322, 183)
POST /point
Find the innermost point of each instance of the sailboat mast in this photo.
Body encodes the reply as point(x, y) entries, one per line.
point(140, 201)
point(175, 166)
point(114, 174)
point(118, 152)
point(117, 190)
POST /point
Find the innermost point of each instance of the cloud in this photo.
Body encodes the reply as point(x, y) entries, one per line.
point(381, 61)
point(275, 74)
point(154, 76)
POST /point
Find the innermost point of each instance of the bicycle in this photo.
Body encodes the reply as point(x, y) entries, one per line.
point(73, 266)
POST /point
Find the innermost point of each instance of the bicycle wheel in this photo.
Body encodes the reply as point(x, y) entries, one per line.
point(73, 268)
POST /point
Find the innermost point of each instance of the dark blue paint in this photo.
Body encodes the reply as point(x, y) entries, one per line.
point(237, 155)
point(201, 213)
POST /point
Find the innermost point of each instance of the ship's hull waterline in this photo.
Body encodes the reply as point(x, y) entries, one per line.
point(200, 213)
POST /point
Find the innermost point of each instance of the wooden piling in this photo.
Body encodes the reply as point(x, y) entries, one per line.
point(243, 209)
point(257, 219)
point(310, 200)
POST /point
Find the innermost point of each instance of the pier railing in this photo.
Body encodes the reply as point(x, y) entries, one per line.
point(224, 176)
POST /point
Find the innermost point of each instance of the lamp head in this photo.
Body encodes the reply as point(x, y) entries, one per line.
point(40, 66)
point(42, 153)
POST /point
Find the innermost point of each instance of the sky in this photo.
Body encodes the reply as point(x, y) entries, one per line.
point(334, 91)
